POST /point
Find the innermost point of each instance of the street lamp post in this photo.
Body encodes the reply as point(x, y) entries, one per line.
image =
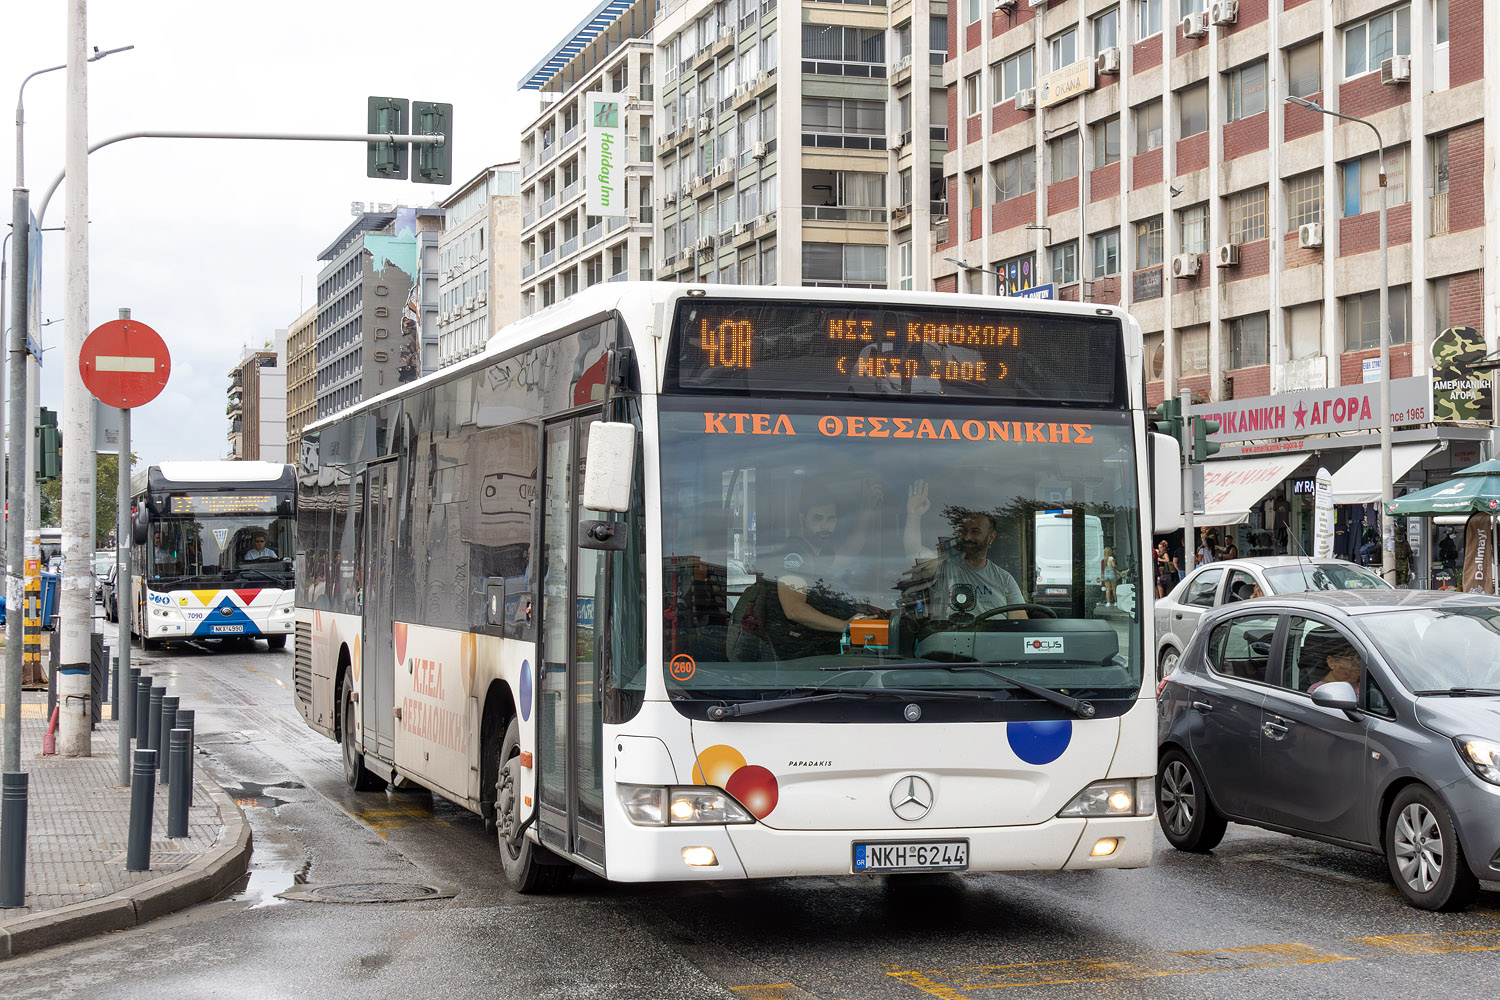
point(1387, 490)
point(971, 268)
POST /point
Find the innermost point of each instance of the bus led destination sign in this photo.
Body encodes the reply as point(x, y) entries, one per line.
point(222, 503)
point(909, 351)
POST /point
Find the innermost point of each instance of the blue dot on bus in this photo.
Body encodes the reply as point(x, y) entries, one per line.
point(525, 690)
point(1039, 742)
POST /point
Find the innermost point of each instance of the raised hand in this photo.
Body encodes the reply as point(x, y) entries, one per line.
point(917, 501)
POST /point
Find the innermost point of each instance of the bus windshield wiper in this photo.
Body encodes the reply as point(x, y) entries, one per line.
point(1078, 706)
point(718, 713)
point(1463, 692)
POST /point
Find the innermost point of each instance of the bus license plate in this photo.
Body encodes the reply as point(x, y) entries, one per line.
point(912, 856)
point(228, 629)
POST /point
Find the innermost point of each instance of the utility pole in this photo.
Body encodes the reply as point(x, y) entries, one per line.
point(15, 554)
point(1189, 542)
point(76, 604)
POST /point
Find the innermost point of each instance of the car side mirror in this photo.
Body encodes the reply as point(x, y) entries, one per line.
point(1338, 695)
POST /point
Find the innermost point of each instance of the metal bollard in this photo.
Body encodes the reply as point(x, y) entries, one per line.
point(13, 789)
point(142, 717)
point(114, 689)
point(153, 719)
point(130, 690)
point(142, 793)
point(180, 796)
point(168, 723)
point(186, 720)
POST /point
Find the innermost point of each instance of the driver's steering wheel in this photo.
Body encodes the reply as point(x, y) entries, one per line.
point(1045, 612)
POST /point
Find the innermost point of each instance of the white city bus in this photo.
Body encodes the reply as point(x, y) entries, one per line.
point(687, 582)
point(213, 552)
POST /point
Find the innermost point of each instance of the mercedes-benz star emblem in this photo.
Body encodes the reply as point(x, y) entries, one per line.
point(911, 798)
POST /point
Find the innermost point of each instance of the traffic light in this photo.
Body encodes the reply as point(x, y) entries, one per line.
point(48, 447)
point(434, 163)
point(1169, 418)
point(1202, 446)
point(386, 116)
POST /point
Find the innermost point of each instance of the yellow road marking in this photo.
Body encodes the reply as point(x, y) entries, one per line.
point(1434, 944)
point(772, 991)
point(36, 710)
point(267, 676)
point(1094, 970)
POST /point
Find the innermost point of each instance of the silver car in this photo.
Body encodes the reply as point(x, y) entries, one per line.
point(1365, 719)
point(1207, 587)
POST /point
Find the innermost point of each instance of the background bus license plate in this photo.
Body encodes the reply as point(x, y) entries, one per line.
point(912, 856)
point(230, 629)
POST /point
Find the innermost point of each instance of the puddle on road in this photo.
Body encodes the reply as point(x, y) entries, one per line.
point(252, 793)
point(271, 873)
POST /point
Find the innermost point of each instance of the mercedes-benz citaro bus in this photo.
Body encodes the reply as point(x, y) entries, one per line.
point(717, 582)
point(212, 552)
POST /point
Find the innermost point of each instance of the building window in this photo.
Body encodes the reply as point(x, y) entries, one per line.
point(1106, 248)
point(1304, 330)
point(1186, 7)
point(1012, 75)
point(1150, 244)
point(1440, 22)
point(1106, 28)
point(1247, 340)
point(838, 264)
point(1362, 319)
point(1064, 155)
point(1015, 176)
point(768, 266)
point(1155, 356)
point(1304, 69)
point(971, 95)
point(1245, 91)
point(1064, 263)
point(1304, 199)
point(937, 39)
point(1106, 139)
point(904, 265)
point(1148, 132)
point(1362, 182)
point(1247, 215)
point(1438, 159)
point(1192, 229)
point(973, 10)
point(1192, 352)
point(1192, 111)
point(1147, 18)
point(1063, 48)
point(832, 50)
point(1369, 43)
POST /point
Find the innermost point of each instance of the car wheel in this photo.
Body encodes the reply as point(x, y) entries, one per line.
point(1187, 817)
point(529, 867)
point(1166, 662)
point(1422, 849)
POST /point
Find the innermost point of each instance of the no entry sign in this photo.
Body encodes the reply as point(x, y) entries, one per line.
point(125, 363)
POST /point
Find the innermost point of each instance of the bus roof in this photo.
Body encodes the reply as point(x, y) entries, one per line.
point(188, 475)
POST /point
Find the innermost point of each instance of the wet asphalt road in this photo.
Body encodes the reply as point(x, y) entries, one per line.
point(1263, 916)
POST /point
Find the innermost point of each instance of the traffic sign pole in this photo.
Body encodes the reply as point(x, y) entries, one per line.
point(122, 586)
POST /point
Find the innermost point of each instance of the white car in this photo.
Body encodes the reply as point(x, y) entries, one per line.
point(1233, 580)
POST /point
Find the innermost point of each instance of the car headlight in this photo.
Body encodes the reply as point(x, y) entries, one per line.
point(681, 805)
point(1482, 756)
point(1122, 797)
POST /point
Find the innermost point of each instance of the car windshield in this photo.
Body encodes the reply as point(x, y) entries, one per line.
point(946, 534)
point(1437, 649)
point(1302, 577)
point(103, 561)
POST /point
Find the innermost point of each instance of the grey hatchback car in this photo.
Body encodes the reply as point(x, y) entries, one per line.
point(1367, 719)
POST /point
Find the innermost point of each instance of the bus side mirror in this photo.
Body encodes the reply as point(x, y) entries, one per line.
point(609, 467)
point(140, 524)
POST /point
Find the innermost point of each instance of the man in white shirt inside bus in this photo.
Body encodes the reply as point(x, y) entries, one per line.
point(970, 566)
point(258, 549)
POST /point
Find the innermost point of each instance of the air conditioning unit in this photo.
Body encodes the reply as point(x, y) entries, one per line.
point(1224, 12)
point(705, 123)
point(687, 189)
point(1185, 265)
point(758, 151)
point(726, 165)
point(1310, 235)
point(1396, 69)
point(1026, 99)
point(1194, 25)
point(469, 304)
point(480, 298)
point(705, 244)
point(761, 77)
point(898, 213)
point(669, 198)
point(1005, 5)
point(1227, 255)
point(1108, 63)
point(898, 140)
point(762, 220)
point(741, 228)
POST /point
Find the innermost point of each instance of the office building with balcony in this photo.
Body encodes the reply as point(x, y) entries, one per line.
point(479, 261)
point(563, 248)
point(801, 143)
point(257, 407)
point(301, 379)
point(1145, 153)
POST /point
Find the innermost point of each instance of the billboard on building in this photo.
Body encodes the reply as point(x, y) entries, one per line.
point(1458, 391)
point(604, 154)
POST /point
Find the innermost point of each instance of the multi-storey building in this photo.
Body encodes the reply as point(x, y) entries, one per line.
point(563, 247)
point(1151, 153)
point(479, 261)
point(257, 407)
point(800, 151)
point(301, 379)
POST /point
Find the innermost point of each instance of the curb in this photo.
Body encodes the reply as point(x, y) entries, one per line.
point(199, 882)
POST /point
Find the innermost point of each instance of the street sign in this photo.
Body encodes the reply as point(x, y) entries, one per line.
point(1037, 292)
point(124, 363)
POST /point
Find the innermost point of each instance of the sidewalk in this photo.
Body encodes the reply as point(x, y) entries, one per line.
point(77, 829)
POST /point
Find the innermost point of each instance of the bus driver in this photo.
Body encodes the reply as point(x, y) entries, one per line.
point(969, 565)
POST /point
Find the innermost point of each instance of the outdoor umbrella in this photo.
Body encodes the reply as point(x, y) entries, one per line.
point(1476, 488)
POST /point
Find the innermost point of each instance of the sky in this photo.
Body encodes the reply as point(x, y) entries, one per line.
point(214, 244)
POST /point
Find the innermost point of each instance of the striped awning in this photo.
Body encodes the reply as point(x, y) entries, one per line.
point(591, 27)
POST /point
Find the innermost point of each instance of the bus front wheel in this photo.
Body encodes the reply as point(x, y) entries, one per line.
point(276, 641)
point(529, 867)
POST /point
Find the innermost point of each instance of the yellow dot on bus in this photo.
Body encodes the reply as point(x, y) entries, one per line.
point(716, 764)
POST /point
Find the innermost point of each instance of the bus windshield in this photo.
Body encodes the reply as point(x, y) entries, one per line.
point(862, 544)
point(222, 551)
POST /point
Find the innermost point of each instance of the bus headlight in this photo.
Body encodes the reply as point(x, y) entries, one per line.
point(1123, 797)
point(681, 805)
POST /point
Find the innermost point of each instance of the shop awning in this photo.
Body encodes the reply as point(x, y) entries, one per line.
point(1231, 488)
point(1359, 480)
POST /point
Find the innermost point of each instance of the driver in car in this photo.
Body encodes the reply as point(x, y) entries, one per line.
point(968, 566)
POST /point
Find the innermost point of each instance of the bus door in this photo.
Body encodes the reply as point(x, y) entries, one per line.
point(378, 679)
point(569, 734)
